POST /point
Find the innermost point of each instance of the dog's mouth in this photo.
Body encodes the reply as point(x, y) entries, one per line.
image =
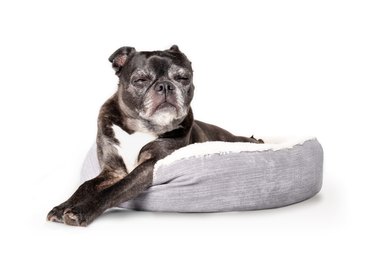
point(164, 110)
point(165, 105)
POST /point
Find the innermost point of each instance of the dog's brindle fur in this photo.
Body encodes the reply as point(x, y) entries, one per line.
point(154, 95)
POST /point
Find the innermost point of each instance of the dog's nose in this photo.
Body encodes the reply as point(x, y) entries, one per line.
point(164, 87)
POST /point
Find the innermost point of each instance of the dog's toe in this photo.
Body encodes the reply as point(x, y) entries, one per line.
point(74, 218)
point(55, 215)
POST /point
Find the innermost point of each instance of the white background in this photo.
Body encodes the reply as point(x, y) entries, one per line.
point(261, 67)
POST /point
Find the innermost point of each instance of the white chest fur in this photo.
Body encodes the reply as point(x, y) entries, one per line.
point(130, 145)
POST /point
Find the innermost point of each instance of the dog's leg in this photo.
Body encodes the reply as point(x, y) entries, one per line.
point(127, 188)
point(89, 190)
point(92, 198)
point(113, 170)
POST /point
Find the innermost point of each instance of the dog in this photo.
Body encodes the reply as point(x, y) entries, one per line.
point(147, 119)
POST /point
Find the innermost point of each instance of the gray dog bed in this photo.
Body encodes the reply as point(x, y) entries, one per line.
point(222, 176)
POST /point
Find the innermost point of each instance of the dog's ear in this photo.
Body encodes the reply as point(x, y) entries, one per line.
point(119, 57)
point(174, 48)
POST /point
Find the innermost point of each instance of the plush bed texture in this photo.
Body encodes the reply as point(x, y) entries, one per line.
point(222, 176)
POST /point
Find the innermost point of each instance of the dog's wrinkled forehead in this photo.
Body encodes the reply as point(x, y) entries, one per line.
point(160, 63)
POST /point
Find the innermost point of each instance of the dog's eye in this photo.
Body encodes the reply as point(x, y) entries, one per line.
point(140, 80)
point(182, 78)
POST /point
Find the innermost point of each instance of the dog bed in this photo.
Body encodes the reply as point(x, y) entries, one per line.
point(223, 176)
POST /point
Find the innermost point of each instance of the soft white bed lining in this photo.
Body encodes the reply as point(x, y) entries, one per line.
point(217, 147)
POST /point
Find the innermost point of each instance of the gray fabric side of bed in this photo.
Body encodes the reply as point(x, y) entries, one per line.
point(230, 181)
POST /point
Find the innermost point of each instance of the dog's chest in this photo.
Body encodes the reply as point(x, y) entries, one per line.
point(130, 145)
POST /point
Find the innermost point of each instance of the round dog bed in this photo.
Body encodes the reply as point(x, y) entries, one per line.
point(222, 176)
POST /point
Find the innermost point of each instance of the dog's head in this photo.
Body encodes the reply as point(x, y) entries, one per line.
point(155, 87)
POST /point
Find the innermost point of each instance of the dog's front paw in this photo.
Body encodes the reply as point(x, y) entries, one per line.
point(74, 215)
point(67, 214)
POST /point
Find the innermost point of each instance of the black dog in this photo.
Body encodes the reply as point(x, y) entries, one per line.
point(151, 105)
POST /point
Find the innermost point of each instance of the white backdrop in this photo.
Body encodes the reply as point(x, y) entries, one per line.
point(261, 67)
